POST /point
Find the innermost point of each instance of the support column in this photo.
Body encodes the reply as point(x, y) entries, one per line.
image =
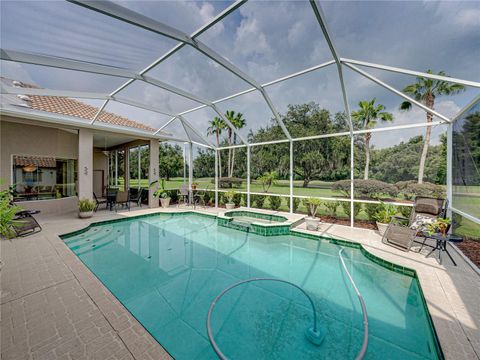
point(85, 164)
point(184, 164)
point(352, 177)
point(190, 171)
point(248, 175)
point(153, 170)
point(291, 177)
point(139, 159)
point(216, 178)
point(449, 168)
point(126, 168)
point(116, 168)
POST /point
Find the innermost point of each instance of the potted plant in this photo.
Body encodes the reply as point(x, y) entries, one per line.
point(229, 195)
point(439, 226)
point(194, 185)
point(162, 193)
point(312, 221)
point(85, 208)
point(383, 215)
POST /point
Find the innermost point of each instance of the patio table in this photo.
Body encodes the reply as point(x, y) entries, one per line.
point(441, 244)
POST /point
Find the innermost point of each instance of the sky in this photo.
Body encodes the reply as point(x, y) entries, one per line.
point(267, 40)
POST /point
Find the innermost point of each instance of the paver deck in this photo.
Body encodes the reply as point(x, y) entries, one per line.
point(53, 307)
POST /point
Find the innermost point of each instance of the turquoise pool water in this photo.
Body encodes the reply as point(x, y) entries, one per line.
point(167, 270)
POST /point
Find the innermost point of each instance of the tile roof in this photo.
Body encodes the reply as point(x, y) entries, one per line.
point(72, 107)
point(39, 161)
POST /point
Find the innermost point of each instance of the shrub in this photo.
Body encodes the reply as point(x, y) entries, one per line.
point(237, 198)
point(85, 205)
point(7, 213)
point(312, 205)
point(411, 189)
point(385, 213)
point(228, 182)
point(244, 199)
point(370, 210)
point(296, 203)
point(229, 195)
point(331, 207)
point(258, 200)
point(373, 189)
point(405, 211)
point(275, 202)
point(173, 194)
point(346, 208)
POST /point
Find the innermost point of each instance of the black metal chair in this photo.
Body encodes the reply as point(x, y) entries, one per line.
point(99, 201)
point(137, 198)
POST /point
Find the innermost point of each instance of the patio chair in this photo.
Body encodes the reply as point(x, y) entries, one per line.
point(183, 194)
point(25, 224)
point(99, 201)
point(401, 232)
point(123, 199)
point(137, 198)
point(200, 198)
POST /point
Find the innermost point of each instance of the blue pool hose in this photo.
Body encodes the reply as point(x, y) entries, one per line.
point(313, 334)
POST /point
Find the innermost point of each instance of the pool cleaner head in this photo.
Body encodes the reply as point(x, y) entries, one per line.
point(316, 337)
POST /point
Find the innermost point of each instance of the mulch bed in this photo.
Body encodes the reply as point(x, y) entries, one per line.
point(471, 249)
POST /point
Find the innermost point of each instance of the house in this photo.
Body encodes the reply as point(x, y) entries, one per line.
point(53, 154)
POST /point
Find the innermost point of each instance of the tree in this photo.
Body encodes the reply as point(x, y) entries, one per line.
point(238, 122)
point(426, 90)
point(170, 161)
point(324, 159)
point(216, 127)
point(204, 164)
point(366, 117)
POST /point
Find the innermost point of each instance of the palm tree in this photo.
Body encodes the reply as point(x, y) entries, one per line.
point(426, 90)
point(230, 115)
point(238, 122)
point(366, 117)
point(215, 128)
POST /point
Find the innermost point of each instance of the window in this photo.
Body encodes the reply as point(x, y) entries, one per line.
point(42, 177)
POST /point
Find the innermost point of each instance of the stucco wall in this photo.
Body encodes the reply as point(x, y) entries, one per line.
point(25, 139)
point(19, 138)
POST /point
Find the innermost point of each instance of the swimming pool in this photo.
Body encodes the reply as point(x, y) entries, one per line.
point(168, 268)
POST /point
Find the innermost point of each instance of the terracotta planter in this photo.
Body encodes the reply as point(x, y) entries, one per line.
point(165, 202)
point(85, 214)
point(312, 223)
point(382, 228)
point(230, 206)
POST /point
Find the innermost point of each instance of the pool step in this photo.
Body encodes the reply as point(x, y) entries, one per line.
point(240, 225)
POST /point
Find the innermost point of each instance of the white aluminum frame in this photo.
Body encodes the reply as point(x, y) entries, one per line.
point(123, 14)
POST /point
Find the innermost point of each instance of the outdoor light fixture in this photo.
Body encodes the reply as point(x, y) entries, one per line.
point(29, 168)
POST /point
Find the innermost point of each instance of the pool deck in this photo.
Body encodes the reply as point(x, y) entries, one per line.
point(53, 307)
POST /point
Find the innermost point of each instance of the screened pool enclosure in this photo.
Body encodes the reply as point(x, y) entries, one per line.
point(157, 69)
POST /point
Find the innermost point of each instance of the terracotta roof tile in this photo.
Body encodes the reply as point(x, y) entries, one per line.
point(39, 161)
point(71, 107)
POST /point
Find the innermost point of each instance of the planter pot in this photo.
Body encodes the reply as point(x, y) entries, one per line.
point(194, 187)
point(312, 223)
point(230, 206)
point(85, 214)
point(165, 202)
point(382, 228)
